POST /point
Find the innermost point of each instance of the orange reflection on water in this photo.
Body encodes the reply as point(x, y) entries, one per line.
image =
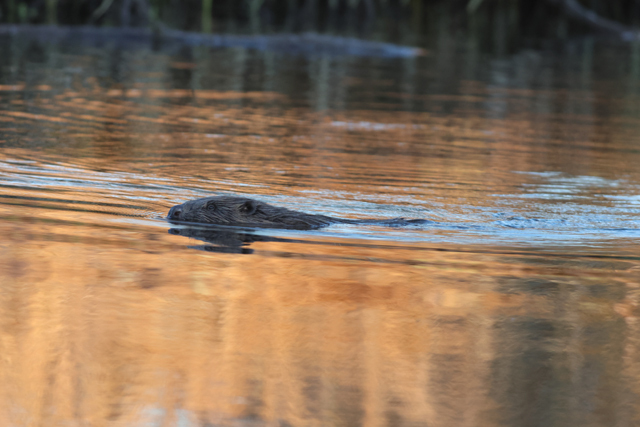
point(298, 333)
point(108, 319)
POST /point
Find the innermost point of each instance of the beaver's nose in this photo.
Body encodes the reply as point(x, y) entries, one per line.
point(175, 212)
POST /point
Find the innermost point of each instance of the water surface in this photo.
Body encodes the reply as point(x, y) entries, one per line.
point(518, 306)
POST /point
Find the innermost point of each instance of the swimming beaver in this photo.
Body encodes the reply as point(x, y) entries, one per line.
point(245, 212)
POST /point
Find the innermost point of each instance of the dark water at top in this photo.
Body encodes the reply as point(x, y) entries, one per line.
point(518, 306)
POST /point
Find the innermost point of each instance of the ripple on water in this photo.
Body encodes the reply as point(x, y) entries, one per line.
point(521, 299)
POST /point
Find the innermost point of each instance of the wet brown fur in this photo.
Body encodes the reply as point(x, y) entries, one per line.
point(245, 212)
point(242, 211)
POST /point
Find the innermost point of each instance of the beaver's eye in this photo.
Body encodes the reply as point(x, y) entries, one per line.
point(211, 206)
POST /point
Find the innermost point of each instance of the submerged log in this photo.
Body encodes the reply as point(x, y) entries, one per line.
point(300, 44)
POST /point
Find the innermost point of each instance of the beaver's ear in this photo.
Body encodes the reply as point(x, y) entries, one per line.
point(249, 207)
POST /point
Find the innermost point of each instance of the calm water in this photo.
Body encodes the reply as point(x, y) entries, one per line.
point(518, 307)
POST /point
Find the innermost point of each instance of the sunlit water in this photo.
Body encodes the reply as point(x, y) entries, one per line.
point(516, 306)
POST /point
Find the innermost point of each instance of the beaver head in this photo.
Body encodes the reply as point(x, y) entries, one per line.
point(245, 212)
